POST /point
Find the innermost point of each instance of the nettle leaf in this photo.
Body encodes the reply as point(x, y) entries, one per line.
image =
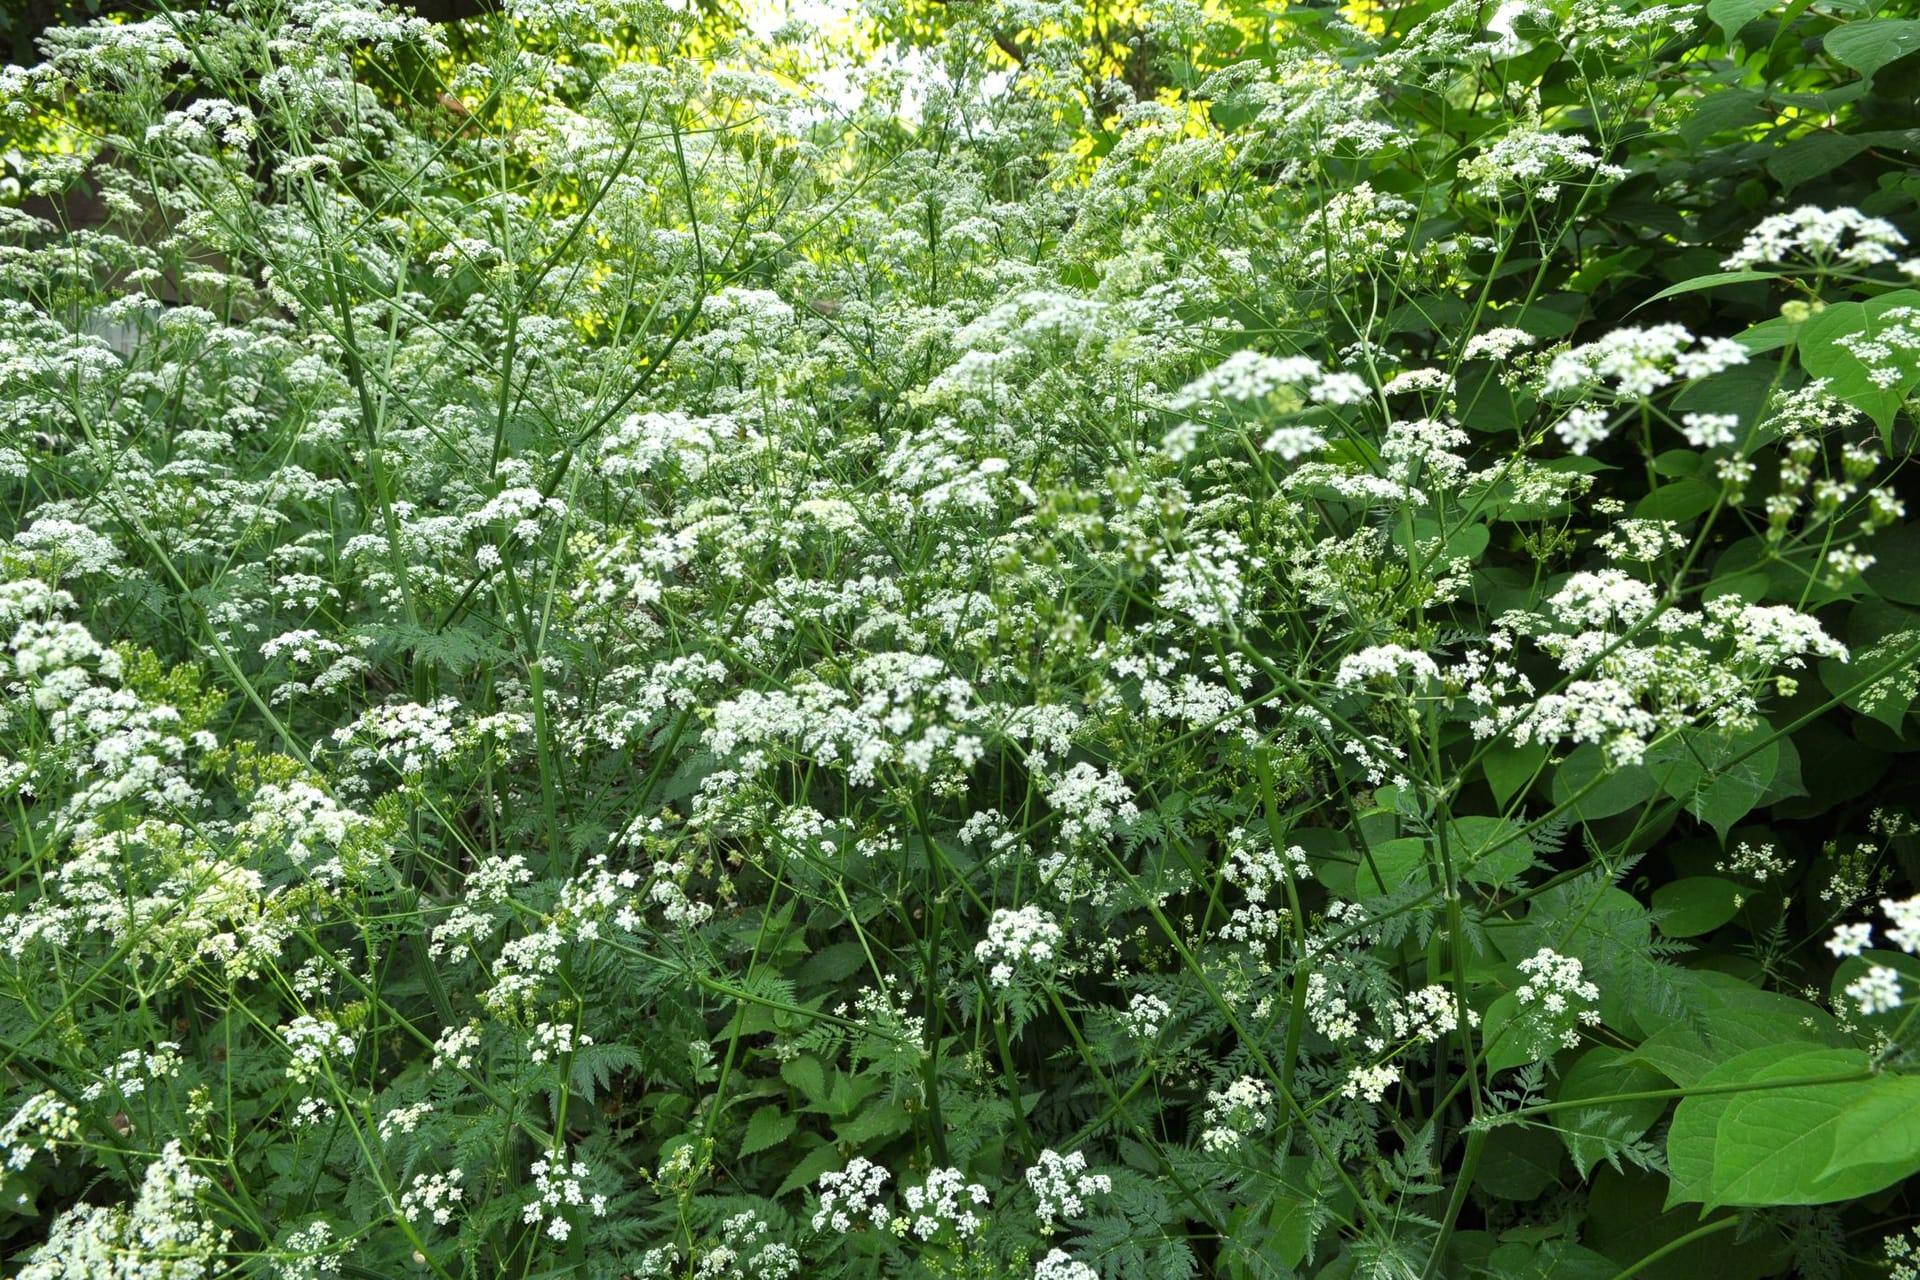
point(821, 1159)
point(768, 1127)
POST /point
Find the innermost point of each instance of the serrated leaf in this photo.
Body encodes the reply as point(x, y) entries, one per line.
point(822, 1159)
point(807, 1075)
point(594, 1066)
point(768, 1127)
point(884, 1121)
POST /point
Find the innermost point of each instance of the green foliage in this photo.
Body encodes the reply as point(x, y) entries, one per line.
point(1013, 640)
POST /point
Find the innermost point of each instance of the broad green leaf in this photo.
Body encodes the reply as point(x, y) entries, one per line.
point(1489, 851)
point(1693, 905)
point(1614, 790)
point(1520, 1162)
point(1603, 1072)
point(1822, 356)
point(1781, 1146)
point(1724, 109)
point(1509, 768)
point(1813, 156)
point(769, 1126)
point(1870, 45)
point(1680, 501)
point(887, 1120)
point(1895, 573)
point(1552, 1259)
point(1625, 1222)
point(1731, 16)
point(1778, 1143)
point(822, 1159)
point(806, 1074)
point(1693, 1147)
point(1717, 280)
point(1463, 541)
point(1882, 1133)
point(1394, 861)
point(1705, 772)
point(1505, 1040)
point(1723, 1017)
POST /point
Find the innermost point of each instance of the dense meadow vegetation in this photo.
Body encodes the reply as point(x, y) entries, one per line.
point(982, 639)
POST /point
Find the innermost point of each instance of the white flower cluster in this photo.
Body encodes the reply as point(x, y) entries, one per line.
point(1145, 1015)
point(1059, 1265)
point(1206, 579)
point(1497, 344)
point(399, 1120)
point(1242, 1108)
point(1248, 375)
point(433, 1195)
point(128, 1075)
point(560, 1185)
point(1879, 990)
point(1253, 865)
point(311, 1042)
point(1558, 995)
point(745, 1253)
point(1892, 351)
point(41, 1123)
point(1061, 1186)
point(1842, 237)
point(552, 1040)
point(946, 1202)
point(1388, 662)
point(850, 1196)
point(1634, 363)
point(162, 1234)
point(1369, 1083)
point(1015, 939)
point(1534, 162)
point(1328, 1010)
point(1427, 1014)
point(1090, 802)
